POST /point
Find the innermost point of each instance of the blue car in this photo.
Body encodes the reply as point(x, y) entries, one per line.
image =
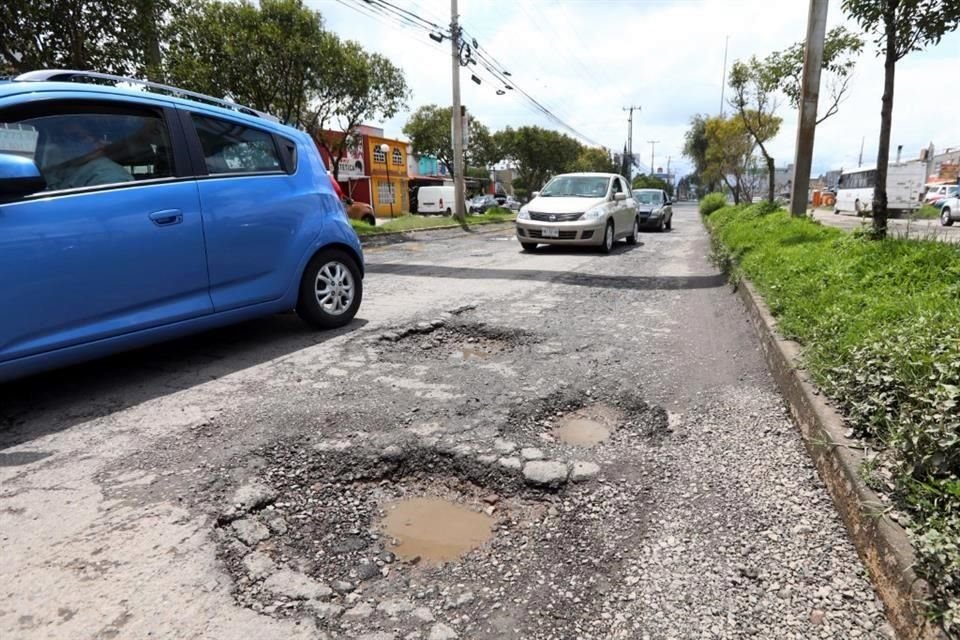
point(134, 215)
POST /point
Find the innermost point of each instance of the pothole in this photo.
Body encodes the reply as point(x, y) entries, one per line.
point(464, 342)
point(588, 426)
point(434, 530)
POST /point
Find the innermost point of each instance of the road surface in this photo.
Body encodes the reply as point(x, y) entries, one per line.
point(921, 229)
point(607, 421)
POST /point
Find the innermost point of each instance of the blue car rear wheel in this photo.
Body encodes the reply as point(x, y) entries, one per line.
point(331, 290)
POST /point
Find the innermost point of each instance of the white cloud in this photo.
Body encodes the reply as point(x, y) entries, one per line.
point(587, 59)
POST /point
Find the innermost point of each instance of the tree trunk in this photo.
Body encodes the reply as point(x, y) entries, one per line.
point(771, 179)
point(886, 121)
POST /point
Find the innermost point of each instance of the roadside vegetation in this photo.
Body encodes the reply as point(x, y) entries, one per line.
point(408, 222)
point(878, 322)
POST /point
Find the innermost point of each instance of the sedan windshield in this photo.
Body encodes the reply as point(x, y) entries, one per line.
point(647, 197)
point(578, 186)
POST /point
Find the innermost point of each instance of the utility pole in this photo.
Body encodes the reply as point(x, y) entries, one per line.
point(668, 172)
point(860, 160)
point(457, 117)
point(653, 144)
point(629, 110)
point(810, 95)
point(723, 79)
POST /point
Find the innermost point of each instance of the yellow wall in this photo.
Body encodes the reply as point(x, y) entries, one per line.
point(401, 204)
point(398, 168)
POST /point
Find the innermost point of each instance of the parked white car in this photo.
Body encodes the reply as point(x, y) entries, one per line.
point(586, 209)
point(950, 211)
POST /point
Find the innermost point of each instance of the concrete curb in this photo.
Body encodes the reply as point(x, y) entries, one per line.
point(398, 236)
point(882, 544)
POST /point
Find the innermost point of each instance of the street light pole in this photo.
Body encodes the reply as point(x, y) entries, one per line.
point(653, 144)
point(385, 148)
point(810, 95)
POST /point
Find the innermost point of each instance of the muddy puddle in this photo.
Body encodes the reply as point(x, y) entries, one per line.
point(589, 426)
point(435, 530)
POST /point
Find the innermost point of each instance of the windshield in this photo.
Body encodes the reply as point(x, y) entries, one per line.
point(578, 186)
point(647, 197)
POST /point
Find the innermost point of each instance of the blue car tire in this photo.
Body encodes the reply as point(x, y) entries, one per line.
point(330, 290)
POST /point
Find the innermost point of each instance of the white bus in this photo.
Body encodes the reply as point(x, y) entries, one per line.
point(905, 188)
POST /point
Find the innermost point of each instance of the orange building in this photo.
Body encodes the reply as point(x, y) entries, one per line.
point(386, 160)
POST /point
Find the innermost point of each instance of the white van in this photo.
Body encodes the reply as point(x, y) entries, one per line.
point(440, 199)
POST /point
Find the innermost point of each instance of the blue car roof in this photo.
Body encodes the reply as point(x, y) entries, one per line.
point(90, 90)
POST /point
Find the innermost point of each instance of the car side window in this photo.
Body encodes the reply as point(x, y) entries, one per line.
point(86, 146)
point(623, 186)
point(616, 187)
point(229, 147)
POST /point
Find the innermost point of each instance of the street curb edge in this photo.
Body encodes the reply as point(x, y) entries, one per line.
point(881, 543)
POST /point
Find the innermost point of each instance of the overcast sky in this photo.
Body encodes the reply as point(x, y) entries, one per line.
point(587, 59)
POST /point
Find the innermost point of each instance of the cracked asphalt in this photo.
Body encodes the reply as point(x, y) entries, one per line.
point(231, 484)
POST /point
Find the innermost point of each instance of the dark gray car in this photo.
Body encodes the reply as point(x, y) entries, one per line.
point(655, 208)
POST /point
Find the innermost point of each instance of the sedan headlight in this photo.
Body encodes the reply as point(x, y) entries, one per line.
point(523, 215)
point(594, 214)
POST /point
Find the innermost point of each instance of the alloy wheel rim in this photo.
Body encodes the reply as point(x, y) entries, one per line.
point(334, 288)
point(944, 216)
point(608, 238)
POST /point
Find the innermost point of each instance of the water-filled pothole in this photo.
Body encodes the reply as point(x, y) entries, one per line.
point(588, 426)
point(434, 530)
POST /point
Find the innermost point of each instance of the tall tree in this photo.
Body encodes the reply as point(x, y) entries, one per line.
point(841, 48)
point(899, 27)
point(695, 148)
point(595, 159)
point(429, 130)
point(729, 156)
point(261, 56)
point(109, 36)
point(346, 87)
point(754, 98)
point(537, 153)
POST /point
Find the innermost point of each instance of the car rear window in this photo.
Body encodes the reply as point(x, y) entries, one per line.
point(229, 147)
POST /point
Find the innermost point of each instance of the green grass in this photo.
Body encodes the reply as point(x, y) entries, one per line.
point(879, 322)
point(410, 221)
point(926, 212)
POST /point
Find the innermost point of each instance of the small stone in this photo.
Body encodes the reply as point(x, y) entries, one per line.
point(278, 525)
point(504, 446)
point(511, 463)
point(816, 617)
point(440, 631)
point(423, 614)
point(253, 495)
point(487, 459)
point(531, 453)
point(392, 452)
point(258, 565)
point(378, 635)
point(368, 571)
point(387, 557)
point(545, 473)
point(250, 532)
point(491, 498)
point(342, 586)
point(296, 586)
point(359, 612)
point(462, 599)
point(325, 610)
point(583, 471)
point(394, 607)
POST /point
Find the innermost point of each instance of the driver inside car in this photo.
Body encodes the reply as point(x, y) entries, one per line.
point(84, 164)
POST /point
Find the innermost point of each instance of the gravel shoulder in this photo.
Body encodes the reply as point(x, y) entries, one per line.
point(700, 516)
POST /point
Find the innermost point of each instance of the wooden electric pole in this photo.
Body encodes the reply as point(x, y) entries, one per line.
point(457, 118)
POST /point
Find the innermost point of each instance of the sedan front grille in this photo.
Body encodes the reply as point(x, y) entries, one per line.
point(555, 217)
point(564, 234)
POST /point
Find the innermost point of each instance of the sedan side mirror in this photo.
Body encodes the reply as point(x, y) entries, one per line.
point(619, 197)
point(19, 176)
point(534, 194)
point(668, 203)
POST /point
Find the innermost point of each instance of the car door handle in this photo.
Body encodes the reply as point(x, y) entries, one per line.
point(167, 217)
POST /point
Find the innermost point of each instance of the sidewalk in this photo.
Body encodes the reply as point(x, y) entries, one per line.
point(898, 227)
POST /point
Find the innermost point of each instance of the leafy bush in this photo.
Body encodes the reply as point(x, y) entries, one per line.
point(879, 324)
point(712, 202)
